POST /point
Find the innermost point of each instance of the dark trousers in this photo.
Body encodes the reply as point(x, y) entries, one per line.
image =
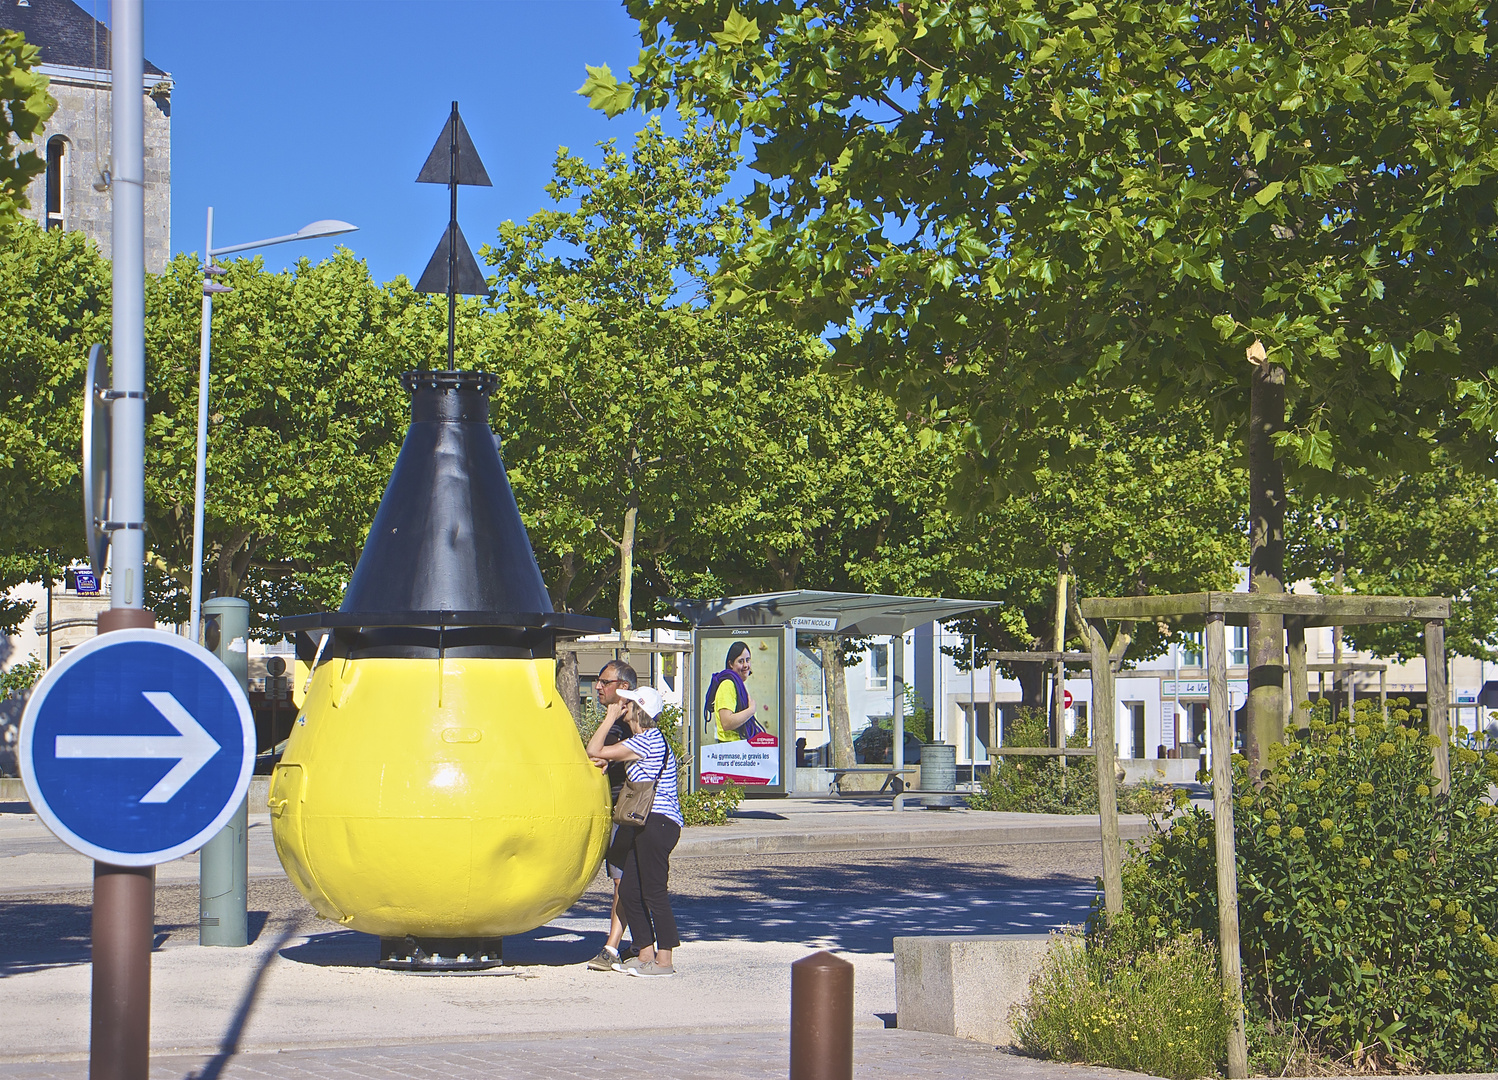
point(642, 892)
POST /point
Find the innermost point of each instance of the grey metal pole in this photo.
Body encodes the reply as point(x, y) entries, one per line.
point(205, 334)
point(124, 907)
point(127, 458)
point(897, 663)
point(223, 864)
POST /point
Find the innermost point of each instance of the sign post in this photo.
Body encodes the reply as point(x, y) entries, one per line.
point(135, 748)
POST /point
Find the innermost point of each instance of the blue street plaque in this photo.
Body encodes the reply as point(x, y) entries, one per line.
point(137, 747)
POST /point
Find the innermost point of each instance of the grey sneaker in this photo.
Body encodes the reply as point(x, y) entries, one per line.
point(629, 966)
point(604, 961)
point(652, 970)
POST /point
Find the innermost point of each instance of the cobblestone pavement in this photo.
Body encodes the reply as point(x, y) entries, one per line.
point(878, 1055)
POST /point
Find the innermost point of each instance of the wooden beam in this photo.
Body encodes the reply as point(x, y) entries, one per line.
point(1040, 657)
point(1104, 724)
point(1041, 751)
point(1227, 858)
point(1236, 606)
point(1436, 702)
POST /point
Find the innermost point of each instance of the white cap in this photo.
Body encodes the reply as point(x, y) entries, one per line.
point(647, 698)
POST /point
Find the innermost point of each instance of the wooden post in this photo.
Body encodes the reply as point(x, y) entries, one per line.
point(1436, 701)
point(1227, 858)
point(1300, 687)
point(1383, 691)
point(1104, 724)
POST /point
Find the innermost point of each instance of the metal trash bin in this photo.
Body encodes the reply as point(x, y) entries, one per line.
point(939, 773)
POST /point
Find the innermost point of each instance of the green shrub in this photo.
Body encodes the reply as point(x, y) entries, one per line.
point(1036, 785)
point(1159, 1010)
point(1039, 785)
point(1368, 906)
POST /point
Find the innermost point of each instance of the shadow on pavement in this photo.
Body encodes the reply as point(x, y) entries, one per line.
point(857, 906)
point(40, 934)
point(229, 1045)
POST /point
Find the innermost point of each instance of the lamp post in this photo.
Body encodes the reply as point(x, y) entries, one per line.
point(315, 230)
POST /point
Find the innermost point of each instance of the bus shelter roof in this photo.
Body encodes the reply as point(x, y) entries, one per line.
point(846, 614)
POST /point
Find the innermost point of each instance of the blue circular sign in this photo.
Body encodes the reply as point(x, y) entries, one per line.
point(137, 747)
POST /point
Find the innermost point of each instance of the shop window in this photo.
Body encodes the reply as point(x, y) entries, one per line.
point(878, 667)
point(57, 181)
point(1136, 729)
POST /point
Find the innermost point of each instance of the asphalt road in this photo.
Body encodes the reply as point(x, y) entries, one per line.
point(854, 902)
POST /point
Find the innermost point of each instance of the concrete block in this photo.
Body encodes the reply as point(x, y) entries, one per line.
point(965, 986)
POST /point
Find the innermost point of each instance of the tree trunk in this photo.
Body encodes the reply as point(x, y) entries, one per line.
point(835, 679)
point(567, 685)
point(1032, 683)
point(1266, 558)
point(627, 572)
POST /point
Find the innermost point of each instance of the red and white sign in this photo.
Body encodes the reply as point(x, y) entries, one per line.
point(1066, 699)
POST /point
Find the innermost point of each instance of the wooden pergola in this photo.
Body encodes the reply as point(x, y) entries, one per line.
point(1214, 611)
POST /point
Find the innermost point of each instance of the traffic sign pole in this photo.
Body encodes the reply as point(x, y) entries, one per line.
point(224, 862)
point(123, 928)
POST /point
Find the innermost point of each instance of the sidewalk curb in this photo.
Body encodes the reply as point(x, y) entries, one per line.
point(705, 842)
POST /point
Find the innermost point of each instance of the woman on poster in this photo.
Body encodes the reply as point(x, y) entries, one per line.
point(728, 706)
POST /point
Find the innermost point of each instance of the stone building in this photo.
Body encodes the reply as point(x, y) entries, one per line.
point(75, 56)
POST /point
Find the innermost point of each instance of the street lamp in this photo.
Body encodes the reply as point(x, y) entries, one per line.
point(315, 230)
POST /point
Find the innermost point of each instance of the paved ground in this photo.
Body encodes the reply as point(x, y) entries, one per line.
point(305, 983)
point(877, 1055)
point(306, 997)
point(32, 860)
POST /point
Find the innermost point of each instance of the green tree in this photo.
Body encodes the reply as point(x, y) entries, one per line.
point(633, 417)
point(25, 106)
point(997, 202)
point(306, 416)
point(1425, 534)
point(54, 303)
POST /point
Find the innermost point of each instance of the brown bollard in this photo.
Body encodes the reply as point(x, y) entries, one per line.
point(821, 1018)
point(124, 924)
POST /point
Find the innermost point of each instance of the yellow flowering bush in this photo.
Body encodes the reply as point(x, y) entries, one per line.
point(1368, 903)
point(1158, 1011)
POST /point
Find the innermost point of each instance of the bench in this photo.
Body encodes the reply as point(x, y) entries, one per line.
point(965, 986)
point(894, 779)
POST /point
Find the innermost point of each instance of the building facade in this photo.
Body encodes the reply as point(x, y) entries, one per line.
point(75, 57)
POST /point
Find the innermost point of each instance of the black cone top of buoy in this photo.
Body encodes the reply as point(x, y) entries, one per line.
point(447, 568)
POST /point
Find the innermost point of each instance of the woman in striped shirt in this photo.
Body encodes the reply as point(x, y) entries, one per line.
point(644, 851)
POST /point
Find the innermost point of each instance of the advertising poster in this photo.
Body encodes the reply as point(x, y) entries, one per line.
point(740, 676)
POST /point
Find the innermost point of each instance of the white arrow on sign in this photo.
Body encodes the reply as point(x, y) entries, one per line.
point(192, 746)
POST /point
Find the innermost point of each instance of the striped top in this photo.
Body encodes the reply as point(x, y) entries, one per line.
point(650, 744)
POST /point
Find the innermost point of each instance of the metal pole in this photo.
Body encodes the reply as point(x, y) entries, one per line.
point(124, 923)
point(897, 663)
point(200, 475)
point(452, 238)
point(1227, 859)
point(48, 664)
point(128, 279)
point(821, 1018)
point(223, 863)
point(123, 926)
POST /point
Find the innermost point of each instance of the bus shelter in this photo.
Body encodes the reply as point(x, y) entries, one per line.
point(768, 624)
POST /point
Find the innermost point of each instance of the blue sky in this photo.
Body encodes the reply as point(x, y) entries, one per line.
point(285, 112)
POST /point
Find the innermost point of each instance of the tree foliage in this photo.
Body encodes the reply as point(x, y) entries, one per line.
point(999, 201)
point(24, 106)
point(54, 303)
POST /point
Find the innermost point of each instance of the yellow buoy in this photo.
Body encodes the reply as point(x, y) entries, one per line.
point(447, 798)
point(434, 789)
